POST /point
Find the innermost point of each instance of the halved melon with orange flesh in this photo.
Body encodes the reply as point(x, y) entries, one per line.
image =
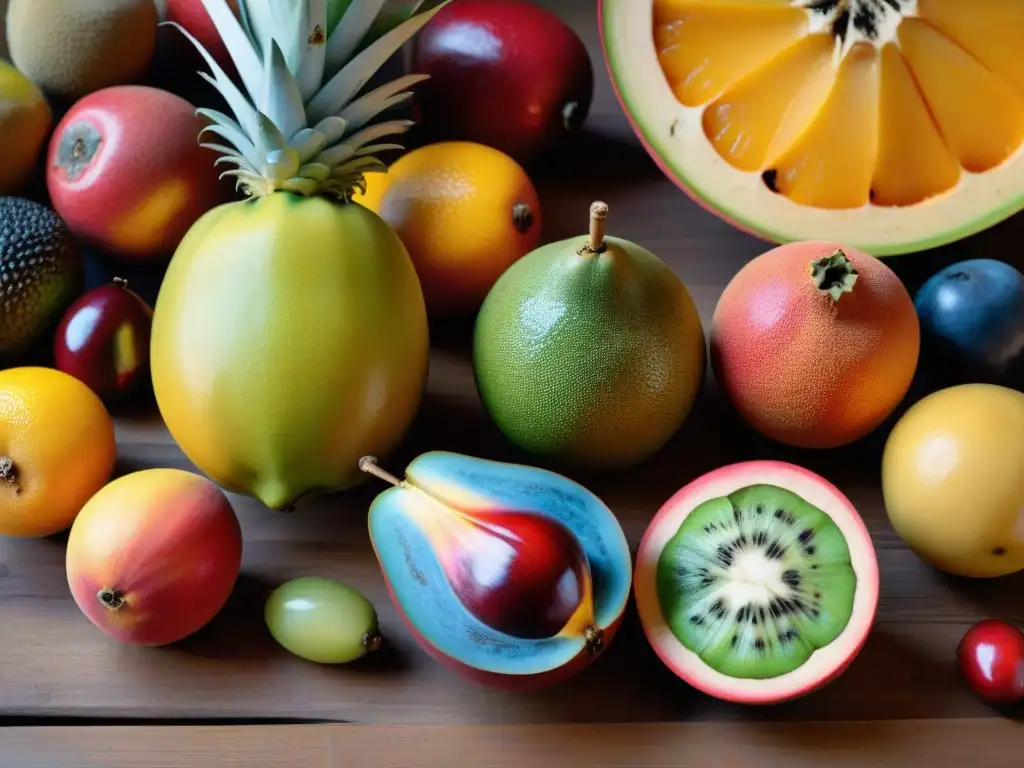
point(889, 125)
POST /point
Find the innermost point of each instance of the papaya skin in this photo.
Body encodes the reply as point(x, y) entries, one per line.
point(289, 339)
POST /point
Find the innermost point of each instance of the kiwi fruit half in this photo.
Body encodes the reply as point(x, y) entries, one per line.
point(757, 582)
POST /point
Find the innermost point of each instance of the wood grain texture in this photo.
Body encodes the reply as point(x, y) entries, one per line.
point(55, 663)
point(986, 742)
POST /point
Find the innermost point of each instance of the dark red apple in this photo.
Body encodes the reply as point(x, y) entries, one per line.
point(103, 340)
point(505, 73)
point(991, 659)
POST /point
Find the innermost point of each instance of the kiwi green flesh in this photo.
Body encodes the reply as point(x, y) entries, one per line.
point(755, 582)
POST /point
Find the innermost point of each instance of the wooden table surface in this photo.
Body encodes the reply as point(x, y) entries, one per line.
point(899, 702)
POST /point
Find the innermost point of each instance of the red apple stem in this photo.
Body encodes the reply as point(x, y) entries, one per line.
point(369, 464)
point(9, 472)
point(598, 214)
point(111, 598)
point(121, 282)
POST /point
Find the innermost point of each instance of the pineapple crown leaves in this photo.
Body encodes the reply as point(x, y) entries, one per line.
point(299, 121)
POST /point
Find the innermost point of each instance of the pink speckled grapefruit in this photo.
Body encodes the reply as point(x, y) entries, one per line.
point(815, 343)
point(757, 582)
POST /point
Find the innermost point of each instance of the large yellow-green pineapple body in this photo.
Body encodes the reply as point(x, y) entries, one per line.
point(290, 332)
point(289, 340)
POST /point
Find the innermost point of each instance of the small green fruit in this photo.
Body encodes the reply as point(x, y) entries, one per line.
point(589, 351)
point(322, 620)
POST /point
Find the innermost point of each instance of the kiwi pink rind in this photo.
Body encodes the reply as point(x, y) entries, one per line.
point(825, 663)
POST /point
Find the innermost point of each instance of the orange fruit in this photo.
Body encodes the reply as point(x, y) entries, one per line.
point(57, 449)
point(464, 211)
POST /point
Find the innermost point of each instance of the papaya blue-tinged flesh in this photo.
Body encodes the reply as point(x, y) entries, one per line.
point(410, 559)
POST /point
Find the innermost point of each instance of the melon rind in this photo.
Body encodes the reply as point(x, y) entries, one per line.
point(825, 663)
point(685, 155)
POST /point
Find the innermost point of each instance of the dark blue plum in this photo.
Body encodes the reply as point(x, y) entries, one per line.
point(972, 322)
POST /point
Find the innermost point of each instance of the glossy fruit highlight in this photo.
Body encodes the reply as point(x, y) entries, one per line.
point(57, 449)
point(990, 659)
point(322, 620)
point(509, 74)
point(154, 555)
point(125, 170)
point(757, 582)
point(953, 479)
point(465, 212)
point(589, 351)
point(972, 323)
point(513, 576)
point(103, 340)
point(889, 126)
point(815, 343)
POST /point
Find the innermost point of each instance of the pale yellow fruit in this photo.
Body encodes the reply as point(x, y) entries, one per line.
point(953, 479)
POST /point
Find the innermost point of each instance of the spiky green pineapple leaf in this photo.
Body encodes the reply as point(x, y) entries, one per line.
point(332, 127)
point(280, 99)
point(396, 12)
point(236, 100)
point(268, 137)
point(379, 100)
point(308, 143)
point(345, 38)
point(340, 89)
point(310, 72)
point(237, 42)
point(339, 153)
point(261, 22)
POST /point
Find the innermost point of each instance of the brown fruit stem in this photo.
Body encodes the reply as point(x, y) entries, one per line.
point(522, 217)
point(372, 641)
point(9, 472)
point(111, 598)
point(369, 464)
point(594, 638)
point(595, 238)
point(120, 281)
point(834, 274)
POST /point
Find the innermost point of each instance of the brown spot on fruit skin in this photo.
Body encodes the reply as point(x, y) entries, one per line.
point(999, 551)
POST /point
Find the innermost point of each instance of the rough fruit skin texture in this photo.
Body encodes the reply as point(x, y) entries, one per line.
point(153, 556)
point(990, 659)
point(594, 360)
point(103, 341)
point(828, 663)
point(464, 211)
point(41, 271)
point(289, 339)
point(972, 320)
point(126, 171)
point(25, 123)
point(70, 49)
point(420, 526)
point(511, 75)
point(57, 449)
point(803, 368)
point(953, 479)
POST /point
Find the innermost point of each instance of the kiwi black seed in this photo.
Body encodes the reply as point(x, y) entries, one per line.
point(757, 581)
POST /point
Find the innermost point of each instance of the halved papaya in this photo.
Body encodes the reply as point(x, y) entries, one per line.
point(889, 125)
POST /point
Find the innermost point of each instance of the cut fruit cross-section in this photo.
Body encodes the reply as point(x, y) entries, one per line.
point(890, 126)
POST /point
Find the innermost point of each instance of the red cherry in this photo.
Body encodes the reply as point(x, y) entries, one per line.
point(991, 659)
point(103, 340)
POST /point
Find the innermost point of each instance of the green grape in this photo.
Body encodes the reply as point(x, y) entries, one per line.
point(322, 620)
